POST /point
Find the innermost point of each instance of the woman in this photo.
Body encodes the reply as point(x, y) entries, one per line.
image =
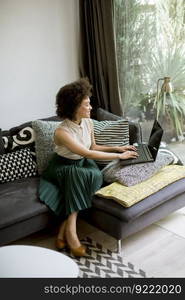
point(72, 171)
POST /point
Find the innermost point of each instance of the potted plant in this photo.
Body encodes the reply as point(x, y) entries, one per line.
point(168, 106)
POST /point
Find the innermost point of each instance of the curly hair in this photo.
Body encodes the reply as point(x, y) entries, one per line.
point(70, 96)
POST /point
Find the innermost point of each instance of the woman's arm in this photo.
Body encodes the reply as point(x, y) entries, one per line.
point(62, 137)
point(113, 148)
point(104, 148)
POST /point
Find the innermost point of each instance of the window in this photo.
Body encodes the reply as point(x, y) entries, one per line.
point(150, 44)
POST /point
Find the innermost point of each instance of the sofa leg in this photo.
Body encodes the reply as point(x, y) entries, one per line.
point(119, 247)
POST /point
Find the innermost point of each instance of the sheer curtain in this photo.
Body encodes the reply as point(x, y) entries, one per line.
point(135, 36)
point(150, 44)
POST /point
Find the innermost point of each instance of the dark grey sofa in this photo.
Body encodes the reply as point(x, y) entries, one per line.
point(21, 212)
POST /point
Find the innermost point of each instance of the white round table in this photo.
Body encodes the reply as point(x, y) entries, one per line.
point(35, 262)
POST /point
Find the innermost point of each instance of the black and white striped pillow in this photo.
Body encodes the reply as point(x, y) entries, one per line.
point(111, 133)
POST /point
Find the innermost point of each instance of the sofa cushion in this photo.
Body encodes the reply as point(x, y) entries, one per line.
point(16, 165)
point(136, 173)
point(168, 151)
point(111, 133)
point(22, 136)
point(19, 201)
point(44, 145)
point(128, 214)
point(135, 133)
point(104, 115)
point(19, 137)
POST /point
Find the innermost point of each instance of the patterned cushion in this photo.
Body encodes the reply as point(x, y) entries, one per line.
point(111, 133)
point(20, 137)
point(44, 131)
point(16, 165)
point(176, 159)
point(134, 174)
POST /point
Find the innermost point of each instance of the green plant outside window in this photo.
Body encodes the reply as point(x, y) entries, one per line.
point(150, 43)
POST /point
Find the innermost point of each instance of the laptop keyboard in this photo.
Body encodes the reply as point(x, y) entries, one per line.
point(144, 153)
point(144, 156)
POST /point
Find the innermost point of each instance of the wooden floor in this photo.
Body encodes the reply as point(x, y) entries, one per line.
point(159, 249)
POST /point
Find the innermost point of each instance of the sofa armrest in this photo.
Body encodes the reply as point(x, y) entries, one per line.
point(135, 132)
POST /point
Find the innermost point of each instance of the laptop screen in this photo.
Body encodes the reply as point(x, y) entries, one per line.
point(155, 138)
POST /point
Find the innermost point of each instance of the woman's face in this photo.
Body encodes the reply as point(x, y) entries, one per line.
point(84, 110)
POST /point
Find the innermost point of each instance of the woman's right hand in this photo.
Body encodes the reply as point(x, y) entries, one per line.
point(128, 154)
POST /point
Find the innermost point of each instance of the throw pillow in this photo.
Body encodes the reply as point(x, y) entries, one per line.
point(176, 159)
point(2, 150)
point(134, 174)
point(111, 133)
point(44, 146)
point(22, 136)
point(18, 138)
point(16, 165)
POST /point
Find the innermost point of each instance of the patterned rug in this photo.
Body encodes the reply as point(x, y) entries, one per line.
point(104, 263)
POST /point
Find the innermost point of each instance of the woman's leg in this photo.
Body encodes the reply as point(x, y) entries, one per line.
point(60, 242)
point(67, 233)
point(71, 232)
point(61, 233)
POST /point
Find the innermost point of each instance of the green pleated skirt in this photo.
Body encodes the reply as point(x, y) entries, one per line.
point(67, 185)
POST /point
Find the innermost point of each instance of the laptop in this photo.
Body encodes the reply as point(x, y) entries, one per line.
point(147, 152)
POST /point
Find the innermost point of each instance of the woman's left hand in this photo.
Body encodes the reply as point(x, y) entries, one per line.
point(126, 148)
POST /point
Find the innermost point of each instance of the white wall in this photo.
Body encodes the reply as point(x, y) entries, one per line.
point(38, 54)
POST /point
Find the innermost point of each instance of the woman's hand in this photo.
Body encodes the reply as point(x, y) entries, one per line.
point(128, 154)
point(126, 148)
